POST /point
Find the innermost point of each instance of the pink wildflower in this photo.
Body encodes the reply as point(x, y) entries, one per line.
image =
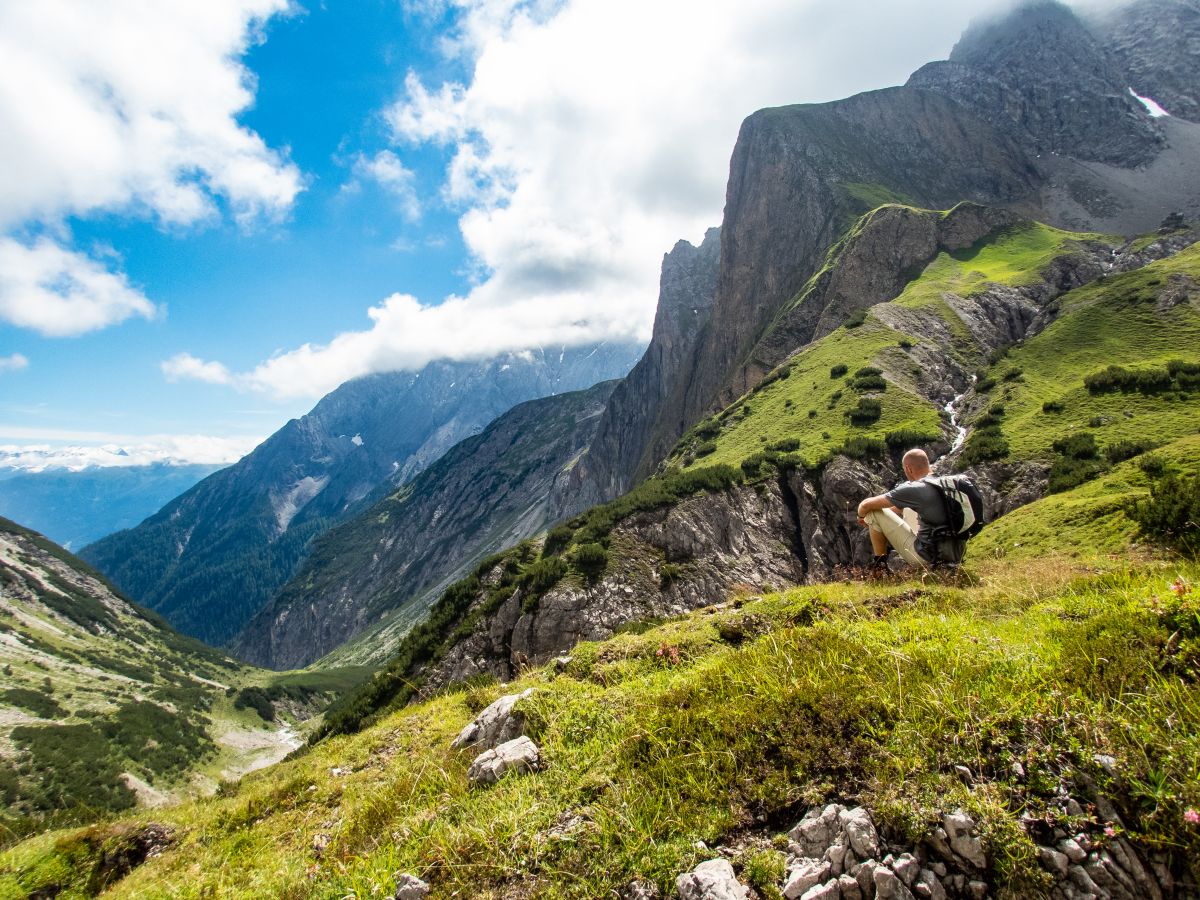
point(1181, 587)
point(1191, 816)
point(1109, 831)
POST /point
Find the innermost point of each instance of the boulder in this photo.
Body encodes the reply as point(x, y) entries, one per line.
point(497, 724)
point(859, 828)
point(519, 755)
point(963, 838)
point(712, 880)
point(803, 876)
point(410, 887)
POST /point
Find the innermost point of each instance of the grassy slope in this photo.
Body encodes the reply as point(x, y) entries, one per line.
point(94, 686)
point(1116, 321)
point(801, 408)
point(870, 693)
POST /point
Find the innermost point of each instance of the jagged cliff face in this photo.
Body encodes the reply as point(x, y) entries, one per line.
point(644, 416)
point(1032, 113)
point(210, 559)
point(382, 568)
point(1157, 43)
point(1055, 87)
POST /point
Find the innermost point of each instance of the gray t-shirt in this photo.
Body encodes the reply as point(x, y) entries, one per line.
point(926, 501)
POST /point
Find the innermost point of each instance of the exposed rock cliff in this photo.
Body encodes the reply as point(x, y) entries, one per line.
point(644, 416)
point(1157, 43)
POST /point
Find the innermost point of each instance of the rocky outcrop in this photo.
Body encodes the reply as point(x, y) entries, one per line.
point(1157, 45)
point(644, 416)
point(382, 568)
point(518, 756)
point(499, 723)
point(1057, 90)
point(874, 264)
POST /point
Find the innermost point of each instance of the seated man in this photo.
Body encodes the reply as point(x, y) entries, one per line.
point(922, 548)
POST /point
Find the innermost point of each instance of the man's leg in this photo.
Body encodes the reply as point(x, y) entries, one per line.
point(888, 528)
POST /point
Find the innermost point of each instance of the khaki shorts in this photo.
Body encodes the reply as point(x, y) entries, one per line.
point(899, 533)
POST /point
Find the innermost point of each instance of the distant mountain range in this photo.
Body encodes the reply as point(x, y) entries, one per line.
point(75, 508)
point(211, 559)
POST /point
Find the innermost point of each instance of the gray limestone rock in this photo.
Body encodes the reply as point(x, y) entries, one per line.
point(864, 874)
point(410, 887)
point(1054, 862)
point(712, 880)
point(519, 755)
point(929, 886)
point(907, 867)
point(641, 890)
point(830, 890)
point(805, 874)
point(964, 839)
point(861, 832)
point(817, 831)
point(497, 724)
point(888, 885)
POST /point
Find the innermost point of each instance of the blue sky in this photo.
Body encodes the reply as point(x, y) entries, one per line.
point(217, 212)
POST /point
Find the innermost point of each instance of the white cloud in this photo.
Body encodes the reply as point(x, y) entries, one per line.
point(185, 367)
point(591, 135)
point(122, 107)
point(126, 104)
point(61, 293)
point(387, 171)
point(14, 362)
point(75, 450)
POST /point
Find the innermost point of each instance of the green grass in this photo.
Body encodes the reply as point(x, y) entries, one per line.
point(1117, 320)
point(856, 692)
point(1089, 520)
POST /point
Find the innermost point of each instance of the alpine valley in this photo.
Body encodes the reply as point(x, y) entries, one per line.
point(602, 631)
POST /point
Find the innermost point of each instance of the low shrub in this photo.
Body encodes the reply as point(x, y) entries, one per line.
point(865, 413)
point(787, 445)
point(834, 398)
point(591, 560)
point(868, 383)
point(907, 438)
point(1123, 450)
point(856, 318)
point(906, 344)
point(1053, 406)
point(708, 429)
point(557, 540)
point(705, 449)
point(1171, 515)
point(1078, 446)
point(839, 370)
point(862, 447)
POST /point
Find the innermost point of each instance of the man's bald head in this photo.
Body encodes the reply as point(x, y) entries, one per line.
point(916, 464)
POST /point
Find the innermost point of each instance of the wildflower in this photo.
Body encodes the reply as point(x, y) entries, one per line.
point(1191, 816)
point(1109, 831)
point(1180, 587)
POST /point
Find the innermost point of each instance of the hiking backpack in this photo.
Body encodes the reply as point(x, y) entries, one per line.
point(964, 505)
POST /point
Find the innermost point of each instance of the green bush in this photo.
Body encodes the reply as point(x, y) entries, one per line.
point(906, 344)
point(856, 318)
point(538, 578)
point(787, 445)
point(868, 383)
point(667, 573)
point(557, 540)
point(983, 445)
point(812, 413)
point(1153, 465)
point(705, 449)
point(709, 428)
point(834, 398)
point(839, 370)
point(1118, 378)
point(1078, 446)
point(1171, 515)
point(865, 413)
point(862, 447)
point(868, 372)
point(591, 560)
point(255, 698)
point(35, 702)
point(907, 438)
point(1123, 450)
point(1053, 406)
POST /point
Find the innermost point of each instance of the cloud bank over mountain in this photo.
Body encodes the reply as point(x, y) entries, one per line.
point(591, 135)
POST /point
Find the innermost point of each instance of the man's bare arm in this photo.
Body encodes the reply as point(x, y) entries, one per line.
point(873, 503)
